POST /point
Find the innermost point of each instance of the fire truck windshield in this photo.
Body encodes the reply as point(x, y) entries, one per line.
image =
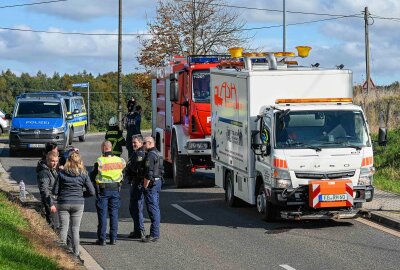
point(201, 86)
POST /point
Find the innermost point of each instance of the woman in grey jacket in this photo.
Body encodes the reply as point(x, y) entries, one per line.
point(72, 185)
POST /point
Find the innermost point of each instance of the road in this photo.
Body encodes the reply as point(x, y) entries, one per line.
point(198, 231)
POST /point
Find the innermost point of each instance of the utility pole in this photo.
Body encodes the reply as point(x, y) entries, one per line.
point(284, 26)
point(119, 109)
point(368, 77)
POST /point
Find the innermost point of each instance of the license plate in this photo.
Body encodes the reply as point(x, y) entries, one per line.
point(36, 145)
point(332, 197)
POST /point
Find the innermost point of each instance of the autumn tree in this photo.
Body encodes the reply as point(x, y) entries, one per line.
point(184, 27)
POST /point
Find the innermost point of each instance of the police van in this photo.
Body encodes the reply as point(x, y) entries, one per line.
point(75, 107)
point(39, 118)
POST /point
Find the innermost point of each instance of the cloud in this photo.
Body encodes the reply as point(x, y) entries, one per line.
point(79, 10)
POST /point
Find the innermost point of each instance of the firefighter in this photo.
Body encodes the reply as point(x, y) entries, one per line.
point(114, 135)
point(107, 174)
point(153, 171)
point(134, 174)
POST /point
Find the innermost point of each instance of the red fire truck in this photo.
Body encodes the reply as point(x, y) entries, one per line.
point(181, 121)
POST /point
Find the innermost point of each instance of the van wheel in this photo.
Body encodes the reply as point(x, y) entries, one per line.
point(230, 198)
point(180, 170)
point(70, 137)
point(83, 137)
point(12, 152)
point(267, 210)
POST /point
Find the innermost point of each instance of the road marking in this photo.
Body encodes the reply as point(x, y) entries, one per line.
point(287, 267)
point(187, 212)
point(379, 227)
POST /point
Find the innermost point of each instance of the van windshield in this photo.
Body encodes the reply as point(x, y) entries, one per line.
point(320, 129)
point(39, 109)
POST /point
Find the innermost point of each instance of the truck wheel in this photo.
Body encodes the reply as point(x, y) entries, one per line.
point(83, 137)
point(180, 170)
point(230, 198)
point(168, 173)
point(70, 137)
point(264, 207)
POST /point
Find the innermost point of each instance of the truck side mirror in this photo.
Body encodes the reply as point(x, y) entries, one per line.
point(382, 137)
point(173, 87)
point(8, 116)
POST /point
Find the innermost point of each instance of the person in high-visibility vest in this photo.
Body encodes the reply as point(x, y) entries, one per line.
point(114, 135)
point(107, 174)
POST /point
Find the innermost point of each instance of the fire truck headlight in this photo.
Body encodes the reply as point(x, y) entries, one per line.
point(282, 178)
point(198, 145)
point(366, 176)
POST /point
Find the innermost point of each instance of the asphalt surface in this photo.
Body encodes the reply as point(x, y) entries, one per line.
point(211, 235)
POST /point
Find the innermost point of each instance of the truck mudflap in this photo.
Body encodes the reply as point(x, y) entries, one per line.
point(325, 214)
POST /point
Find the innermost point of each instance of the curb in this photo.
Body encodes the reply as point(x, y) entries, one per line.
point(385, 220)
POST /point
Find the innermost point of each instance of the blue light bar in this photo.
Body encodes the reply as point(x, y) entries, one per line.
point(203, 59)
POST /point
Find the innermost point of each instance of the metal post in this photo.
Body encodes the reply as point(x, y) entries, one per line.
point(119, 109)
point(88, 106)
point(368, 77)
point(284, 26)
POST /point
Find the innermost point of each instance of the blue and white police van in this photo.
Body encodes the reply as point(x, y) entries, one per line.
point(39, 118)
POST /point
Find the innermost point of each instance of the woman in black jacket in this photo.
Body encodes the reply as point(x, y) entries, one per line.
point(72, 185)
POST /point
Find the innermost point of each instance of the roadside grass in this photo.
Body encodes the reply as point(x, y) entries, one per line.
point(387, 163)
point(26, 241)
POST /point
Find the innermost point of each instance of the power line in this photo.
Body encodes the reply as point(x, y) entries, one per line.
point(70, 33)
point(32, 4)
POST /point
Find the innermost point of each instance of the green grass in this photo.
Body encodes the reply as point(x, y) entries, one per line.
point(387, 163)
point(16, 252)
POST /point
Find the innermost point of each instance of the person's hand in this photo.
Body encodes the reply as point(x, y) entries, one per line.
point(53, 209)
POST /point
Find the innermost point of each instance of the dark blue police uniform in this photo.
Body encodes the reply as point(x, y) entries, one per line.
point(153, 171)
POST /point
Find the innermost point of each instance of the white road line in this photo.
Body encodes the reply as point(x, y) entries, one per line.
point(187, 212)
point(287, 267)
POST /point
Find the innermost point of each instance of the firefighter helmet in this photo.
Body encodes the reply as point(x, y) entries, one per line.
point(113, 121)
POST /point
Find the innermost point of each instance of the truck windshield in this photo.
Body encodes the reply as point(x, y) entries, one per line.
point(201, 86)
point(320, 129)
point(39, 109)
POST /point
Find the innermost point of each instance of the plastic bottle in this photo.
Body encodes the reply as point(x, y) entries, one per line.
point(22, 193)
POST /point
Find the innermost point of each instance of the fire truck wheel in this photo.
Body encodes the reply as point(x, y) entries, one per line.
point(181, 172)
point(230, 198)
point(264, 207)
point(168, 169)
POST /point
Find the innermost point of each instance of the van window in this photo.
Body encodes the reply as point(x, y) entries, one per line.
point(68, 103)
point(80, 105)
point(39, 109)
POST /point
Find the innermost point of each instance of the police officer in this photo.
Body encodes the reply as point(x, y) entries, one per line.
point(152, 182)
point(108, 176)
point(134, 175)
point(132, 125)
point(114, 135)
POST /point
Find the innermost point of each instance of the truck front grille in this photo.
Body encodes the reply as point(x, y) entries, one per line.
point(330, 175)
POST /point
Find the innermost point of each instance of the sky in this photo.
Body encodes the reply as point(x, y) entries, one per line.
point(339, 40)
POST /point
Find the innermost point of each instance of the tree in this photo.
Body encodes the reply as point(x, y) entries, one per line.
point(185, 27)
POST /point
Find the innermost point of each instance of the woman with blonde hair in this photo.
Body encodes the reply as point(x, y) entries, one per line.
point(72, 185)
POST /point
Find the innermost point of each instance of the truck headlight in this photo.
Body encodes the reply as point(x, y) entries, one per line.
point(58, 130)
point(282, 178)
point(366, 176)
point(198, 145)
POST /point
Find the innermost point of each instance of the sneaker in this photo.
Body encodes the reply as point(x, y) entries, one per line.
point(150, 238)
point(134, 235)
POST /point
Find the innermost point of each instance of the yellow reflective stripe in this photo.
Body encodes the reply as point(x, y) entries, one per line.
point(80, 123)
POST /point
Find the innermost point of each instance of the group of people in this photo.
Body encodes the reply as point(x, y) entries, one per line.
point(64, 183)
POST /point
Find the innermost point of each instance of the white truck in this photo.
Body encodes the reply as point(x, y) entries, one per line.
point(289, 140)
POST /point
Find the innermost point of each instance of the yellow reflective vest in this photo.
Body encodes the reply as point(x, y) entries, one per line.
point(110, 169)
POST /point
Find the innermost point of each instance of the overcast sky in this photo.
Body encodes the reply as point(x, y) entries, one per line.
point(333, 42)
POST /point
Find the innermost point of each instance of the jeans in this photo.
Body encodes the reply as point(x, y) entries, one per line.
point(70, 213)
point(108, 201)
point(136, 207)
point(152, 199)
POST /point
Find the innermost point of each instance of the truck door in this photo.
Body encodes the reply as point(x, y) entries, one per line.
point(263, 159)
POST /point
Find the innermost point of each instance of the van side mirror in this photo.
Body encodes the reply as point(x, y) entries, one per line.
point(382, 137)
point(8, 116)
point(173, 87)
point(70, 117)
point(76, 111)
